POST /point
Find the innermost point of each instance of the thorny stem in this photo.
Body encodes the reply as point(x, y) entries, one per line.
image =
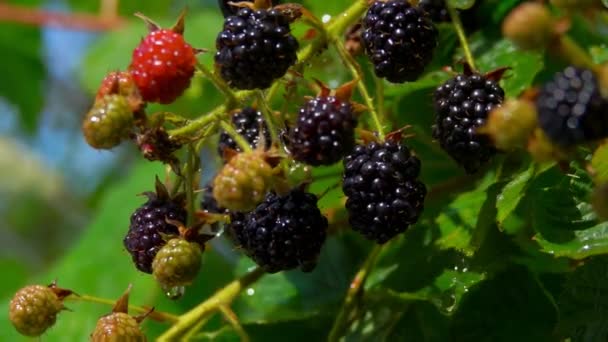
point(191, 170)
point(243, 144)
point(219, 83)
point(267, 113)
point(352, 295)
point(357, 73)
point(158, 316)
point(461, 35)
point(233, 320)
point(224, 296)
point(379, 95)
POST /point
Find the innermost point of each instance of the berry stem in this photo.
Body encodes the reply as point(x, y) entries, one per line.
point(461, 35)
point(379, 94)
point(352, 295)
point(233, 320)
point(243, 144)
point(219, 83)
point(158, 316)
point(267, 113)
point(573, 53)
point(191, 170)
point(357, 73)
point(224, 296)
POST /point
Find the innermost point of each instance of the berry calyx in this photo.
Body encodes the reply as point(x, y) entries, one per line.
point(462, 105)
point(109, 122)
point(243, 182)
point(435, 9)
point(163, 64)
point(250, 124)
point(177, 263)
point(324, 132)
point(228, 9)
point(283, 232)
point(571, 109)
point(384, 194)
point(119, 325)
point(149, 226)
point(399, 40)
point(254, 48)
point(34, 308)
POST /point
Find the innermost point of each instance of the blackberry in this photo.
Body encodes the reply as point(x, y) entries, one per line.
point(255, 48)
point(247, 123)
point(462, 105)
point(228, 10)
point(435, 9)
point(384, 194)
point(325, 131)
point(148, 225)
point(399, 40)
point(283, 232)
point(571, 109)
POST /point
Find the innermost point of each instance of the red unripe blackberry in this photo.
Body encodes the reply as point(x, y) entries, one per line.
point(255, 48)
point(283, 232)
point(399, 40)
point(384, 194)
point(228, 10)
point(34, 309)
point(435, 9)
point(117, 326)
point(162, 66)
point(117, 82)
point(247, 122)
point(324, 132)
point(571, 109)
point(462, 105)
point(149, 224)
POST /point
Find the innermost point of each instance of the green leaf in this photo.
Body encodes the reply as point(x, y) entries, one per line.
point(579, 244)
point(421, 322)
point(523, 65)
point(22, 86)
point(512, 306)
point(599, 164)
point(461, 4)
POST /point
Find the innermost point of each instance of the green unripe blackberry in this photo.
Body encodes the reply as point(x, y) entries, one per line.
point(177, 263)
point(34, 309)
point(108, 122)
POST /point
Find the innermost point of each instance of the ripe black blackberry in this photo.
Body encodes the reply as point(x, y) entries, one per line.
point(399, 40)
point(255, 48)
point(384, 194)
point(247, 122)
point(462, 105)
point(325, 131)
point(571, 109)
point(148, 225)
point(283, 232)
point(228, 10)
point(435, 9)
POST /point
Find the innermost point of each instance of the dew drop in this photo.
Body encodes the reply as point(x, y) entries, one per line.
point(250, 291)
point(175, 292)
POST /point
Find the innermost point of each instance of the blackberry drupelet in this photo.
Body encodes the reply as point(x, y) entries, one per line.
point(325, 131)
point(571, 109)
point(462, 105)
point(283, 232)
point(399, 40)
point(228, 10)
point(247, 122)
point(435, 9)
point(255, 48)
point(148, 225)
point(384, 194)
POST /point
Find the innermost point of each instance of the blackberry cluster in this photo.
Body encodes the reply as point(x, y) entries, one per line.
point(255, 48)
point(384, 194)
point(248, 122)
point(325, 131)
point(571, 109)
point(283, 232)
point(435, 9)
point(148, 225)
point(399, 40)
point(228, 10)
point(462, 105)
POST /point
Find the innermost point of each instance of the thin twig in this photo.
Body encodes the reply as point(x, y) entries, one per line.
point(233, 320)
point(461, 35)
point(219, 83)
point(240, 141)
point(158, 316)
point(267, 113)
